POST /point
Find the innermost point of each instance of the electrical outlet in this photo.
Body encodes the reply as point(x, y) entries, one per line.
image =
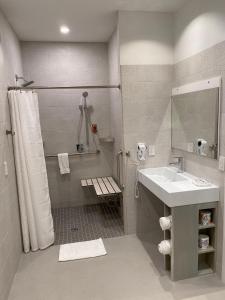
point(151, 150)
point(222, 163)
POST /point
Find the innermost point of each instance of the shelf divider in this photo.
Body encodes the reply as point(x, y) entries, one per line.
point(211, 225)
point(210, 249)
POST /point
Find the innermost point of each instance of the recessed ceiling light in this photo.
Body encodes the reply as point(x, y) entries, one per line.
point(64, 29)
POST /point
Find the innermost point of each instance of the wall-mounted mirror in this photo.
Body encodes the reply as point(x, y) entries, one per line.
point(195, 122)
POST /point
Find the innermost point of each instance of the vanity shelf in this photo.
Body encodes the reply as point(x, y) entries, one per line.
point(195, 261)
point(202, 227)
point(205, 271)
point(210, 249)
point(189, 206)
point(206, 263)
point(207, 257)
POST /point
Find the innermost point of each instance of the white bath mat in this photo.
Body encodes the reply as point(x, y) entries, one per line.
point(82, 250)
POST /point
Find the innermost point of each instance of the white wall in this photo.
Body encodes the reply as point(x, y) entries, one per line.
point(10, 237)
point(161, 38)
point(146, 38)
point(114, 59)
point(199, 25)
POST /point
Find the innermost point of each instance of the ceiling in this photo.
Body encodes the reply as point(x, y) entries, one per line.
point(89, 20)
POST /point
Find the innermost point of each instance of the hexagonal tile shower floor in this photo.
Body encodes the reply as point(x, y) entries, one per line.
point(82, 223)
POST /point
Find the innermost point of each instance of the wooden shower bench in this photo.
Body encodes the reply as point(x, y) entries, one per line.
point(103, 186)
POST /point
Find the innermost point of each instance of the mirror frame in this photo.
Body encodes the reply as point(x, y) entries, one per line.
point(199, 86)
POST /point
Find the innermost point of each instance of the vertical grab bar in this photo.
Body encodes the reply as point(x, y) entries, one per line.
point(118, 165)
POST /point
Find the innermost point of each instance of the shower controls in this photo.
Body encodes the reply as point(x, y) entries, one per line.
point(94, 128)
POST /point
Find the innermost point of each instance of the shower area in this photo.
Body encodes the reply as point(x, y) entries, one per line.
point(83, 121)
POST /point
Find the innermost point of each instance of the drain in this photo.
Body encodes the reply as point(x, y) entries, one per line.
point(73, 229)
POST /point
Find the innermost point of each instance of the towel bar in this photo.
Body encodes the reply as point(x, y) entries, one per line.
point(75, 154)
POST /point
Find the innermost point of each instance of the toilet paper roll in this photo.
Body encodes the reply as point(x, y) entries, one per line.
point(165, 247)
point(165, 222)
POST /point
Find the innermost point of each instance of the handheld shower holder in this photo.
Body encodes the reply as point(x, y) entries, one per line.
point(26, 82)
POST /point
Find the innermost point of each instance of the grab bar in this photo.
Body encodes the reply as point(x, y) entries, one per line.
point(118, 165)
point(74, 154)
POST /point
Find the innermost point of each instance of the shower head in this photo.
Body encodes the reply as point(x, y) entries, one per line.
point(85, 94)
point(27, 83)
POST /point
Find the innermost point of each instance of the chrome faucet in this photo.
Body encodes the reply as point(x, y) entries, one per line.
point(179, 164)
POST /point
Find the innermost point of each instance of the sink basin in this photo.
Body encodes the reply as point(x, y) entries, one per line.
point(177, 189)
point(165, 175)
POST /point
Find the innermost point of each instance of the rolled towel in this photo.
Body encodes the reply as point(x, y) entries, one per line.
point(63, 159)
point(165, 222)
point(165, 247)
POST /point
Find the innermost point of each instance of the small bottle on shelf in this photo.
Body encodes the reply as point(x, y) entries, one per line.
point(205, 217)
point(203, 241)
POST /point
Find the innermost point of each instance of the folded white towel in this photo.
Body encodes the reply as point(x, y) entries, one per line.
point(63, 160)
point(82, 250)
point(165, 222)
point(165, 247)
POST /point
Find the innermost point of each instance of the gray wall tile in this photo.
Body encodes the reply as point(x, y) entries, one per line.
point(71, 64)
point(10, 235)
point(146, 92)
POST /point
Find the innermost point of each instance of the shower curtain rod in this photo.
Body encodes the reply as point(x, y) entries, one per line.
point(78, 87)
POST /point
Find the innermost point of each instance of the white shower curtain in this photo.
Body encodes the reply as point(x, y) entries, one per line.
point(34, 200)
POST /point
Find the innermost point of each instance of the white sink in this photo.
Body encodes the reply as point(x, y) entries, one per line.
point(177, 189)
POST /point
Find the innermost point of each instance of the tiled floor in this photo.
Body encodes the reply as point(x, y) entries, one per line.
point(125, 273)
point(75, 224)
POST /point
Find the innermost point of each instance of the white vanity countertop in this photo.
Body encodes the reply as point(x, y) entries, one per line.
point(177, 189)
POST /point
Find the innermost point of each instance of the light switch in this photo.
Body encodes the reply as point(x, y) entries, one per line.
point(6, 171)
point(190, 147)
point(151, 150)
point(222, 163)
